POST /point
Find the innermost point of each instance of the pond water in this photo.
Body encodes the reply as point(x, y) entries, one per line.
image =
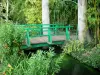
point(70, 66)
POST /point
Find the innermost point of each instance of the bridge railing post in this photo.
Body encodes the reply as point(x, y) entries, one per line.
point(49, 36)
point(67, 33)
point(55, 29)
point(28, 37)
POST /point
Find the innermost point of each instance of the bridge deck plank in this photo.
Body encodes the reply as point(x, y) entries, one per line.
point(44, 39)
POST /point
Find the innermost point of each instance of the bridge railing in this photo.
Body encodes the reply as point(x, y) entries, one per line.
point(49, 30)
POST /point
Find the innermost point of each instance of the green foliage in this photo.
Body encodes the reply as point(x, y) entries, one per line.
point(41, 63)
point(63, 11)
point(93, 19)
point(30, 11)
point(33, 11)
point(73, 46)
point(87, 53)
point(92, 56)
point(12, 62)
point(16, 10)
point(10, 38)
point(93, 12)
point(3, 5)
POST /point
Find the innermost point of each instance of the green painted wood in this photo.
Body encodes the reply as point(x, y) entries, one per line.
point(36, 30)
point(28, 38)
point(42, 45)
point(49, 36)
point(67, 34)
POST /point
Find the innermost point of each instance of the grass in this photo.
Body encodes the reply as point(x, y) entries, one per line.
point(41, 63)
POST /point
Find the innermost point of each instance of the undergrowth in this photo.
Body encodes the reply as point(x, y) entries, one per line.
point(88, 53)
point(41, 63)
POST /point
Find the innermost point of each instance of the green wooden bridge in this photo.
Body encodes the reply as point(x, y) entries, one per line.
point(39, 35)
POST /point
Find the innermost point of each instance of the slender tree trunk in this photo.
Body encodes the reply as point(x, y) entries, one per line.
point(82, 21)
point(7, 9)
point(45, 15)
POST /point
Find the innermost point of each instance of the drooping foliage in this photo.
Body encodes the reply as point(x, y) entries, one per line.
point(63, 11)
point(16, 10)
point(23, 11)
point(93, 19)
point(30, 11)
point(33, 11)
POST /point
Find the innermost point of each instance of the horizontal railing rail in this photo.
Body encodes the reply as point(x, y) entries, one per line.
point(38, 30)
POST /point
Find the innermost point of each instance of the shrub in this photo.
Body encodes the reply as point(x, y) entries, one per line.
point(10, 38)
point(87, 53)
point(92, 56)
point(11, 63)
point(41, 63)
point(73, 46)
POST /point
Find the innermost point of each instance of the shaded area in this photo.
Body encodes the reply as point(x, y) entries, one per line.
point(70, 66)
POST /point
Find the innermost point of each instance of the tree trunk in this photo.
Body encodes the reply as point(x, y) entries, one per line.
point(45, 15)
point(82, 21)
point(7, 9)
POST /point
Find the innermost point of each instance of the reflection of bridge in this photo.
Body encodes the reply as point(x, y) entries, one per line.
point(54, 35)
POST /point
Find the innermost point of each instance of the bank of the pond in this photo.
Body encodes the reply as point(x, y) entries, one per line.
point(86, 53)
point(44, 62)
point(71, 66)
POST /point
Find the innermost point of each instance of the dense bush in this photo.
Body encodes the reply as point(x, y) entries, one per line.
point(92, 56)
point(41, 63)
point(10, 63)
point(87, 53)
point(10, 38)
point(10, 41)
point(73, 46)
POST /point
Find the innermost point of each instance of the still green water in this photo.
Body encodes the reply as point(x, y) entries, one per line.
point(70, 66)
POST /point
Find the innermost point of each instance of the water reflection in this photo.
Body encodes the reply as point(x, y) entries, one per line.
point(71, 66)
